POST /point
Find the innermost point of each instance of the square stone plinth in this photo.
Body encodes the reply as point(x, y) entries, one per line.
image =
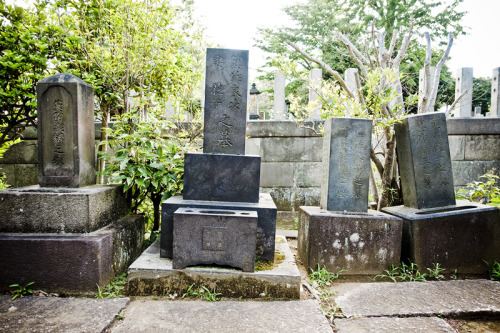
point(218, 177)
point(38, 209)
point(70, 263)
point(209, 236)
point(266, 224)
point(457, 237)
point(360, 244)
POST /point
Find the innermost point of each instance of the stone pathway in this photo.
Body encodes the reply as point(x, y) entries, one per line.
point(368, 307)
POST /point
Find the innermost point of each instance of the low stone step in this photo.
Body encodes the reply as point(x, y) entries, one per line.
point(152, 275)
point(447, 298)
point(392, 324)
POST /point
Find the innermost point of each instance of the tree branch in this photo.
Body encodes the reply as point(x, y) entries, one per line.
point(424, 100)
point(325, 66)
point(456, 101)
point(437, 74)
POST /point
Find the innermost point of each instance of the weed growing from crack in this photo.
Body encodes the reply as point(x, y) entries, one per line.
point(322, 277)
point(202, 293)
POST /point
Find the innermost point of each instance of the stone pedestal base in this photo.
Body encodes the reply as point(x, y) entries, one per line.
point(359, 244)
point(70, 263)
point(266, 224)
point(458, 237)
point(38, 209)
point(221, 237)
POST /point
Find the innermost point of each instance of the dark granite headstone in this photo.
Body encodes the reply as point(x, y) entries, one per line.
point(209, 236)
point(65, 132)
point(217, 177)
point(424, 161)
point(225, 101)
point(346, 164)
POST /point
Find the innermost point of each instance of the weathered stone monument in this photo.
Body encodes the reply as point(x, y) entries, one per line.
point(68, 234)
point(221, 217)
point(343, 233)
point(437, 229)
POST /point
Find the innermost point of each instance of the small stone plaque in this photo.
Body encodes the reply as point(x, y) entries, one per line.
point(424, 161)
point(346, 164)
point(226, 87)
point(214, 236)
point(65, 131)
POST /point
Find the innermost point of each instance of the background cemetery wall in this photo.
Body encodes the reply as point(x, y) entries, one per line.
point(291, 159)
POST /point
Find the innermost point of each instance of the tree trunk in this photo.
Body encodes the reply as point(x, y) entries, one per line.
point(156, 212)
point(104, 138)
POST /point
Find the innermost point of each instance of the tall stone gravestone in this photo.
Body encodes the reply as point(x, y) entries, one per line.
point(343, 233)
point(67, 234)
point(66, 127)
point(437, 229)
point(222, 179)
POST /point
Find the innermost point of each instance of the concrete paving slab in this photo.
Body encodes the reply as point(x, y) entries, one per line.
point(232, 316)
point(390, 325)
point(54, 314)
point(448, 298)
point(152, 275)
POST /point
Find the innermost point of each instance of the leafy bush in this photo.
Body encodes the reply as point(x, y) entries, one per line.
point(485, 192)
point(148, 160)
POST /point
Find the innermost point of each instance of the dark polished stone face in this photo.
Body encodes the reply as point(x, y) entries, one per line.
point(346, 164)
point(217, 177)
point(424, 161)
point(225, 101)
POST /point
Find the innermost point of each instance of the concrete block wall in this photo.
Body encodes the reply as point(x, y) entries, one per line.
point(474, 148)
point(290, 165)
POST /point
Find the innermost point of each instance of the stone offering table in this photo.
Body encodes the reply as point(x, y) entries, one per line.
point(343, 234)
point(67, 235)
point(436, 228)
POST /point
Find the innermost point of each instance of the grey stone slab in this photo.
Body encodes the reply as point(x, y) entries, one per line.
point(446, 298)
point(60, 210)
point(360, 244)
point(346, 164)
point(24, 152)
point(465, 172)
point(9, 170)
point(389, 325)
point(482, 147)
point(307, 174)
point(54, 314)
point(218, 177)
point(226, 86)
point(464, 85)
point(252, 146)
point(457, 147)
point(266, 226)
point(152, 275)
point(424, 161)
point(457, 237)
point(495, 92)
point(26, 175)
point(276, 128)
point(279, 108)
point(65, 107)
point(473, 126)
point(70, 263)
point(291, 149)
point(282, 197)
point(276, 174)
point(214, 236)
point(177, 316)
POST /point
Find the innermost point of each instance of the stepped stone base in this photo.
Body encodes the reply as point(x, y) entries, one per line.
point(457, 237)
point(38, 209)
point(152, 275)
point(70, 263)
point(359, 244)
point(266, 223)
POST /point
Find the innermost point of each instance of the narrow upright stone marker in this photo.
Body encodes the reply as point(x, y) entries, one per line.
point(315, 82)
point(464, 82)
point(226, 88)
point(346, 164)
point(65, 132)
point(279, 110)
point(495, 94)
point(424, 161)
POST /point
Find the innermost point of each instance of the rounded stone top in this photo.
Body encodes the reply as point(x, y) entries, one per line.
point(63, 78)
